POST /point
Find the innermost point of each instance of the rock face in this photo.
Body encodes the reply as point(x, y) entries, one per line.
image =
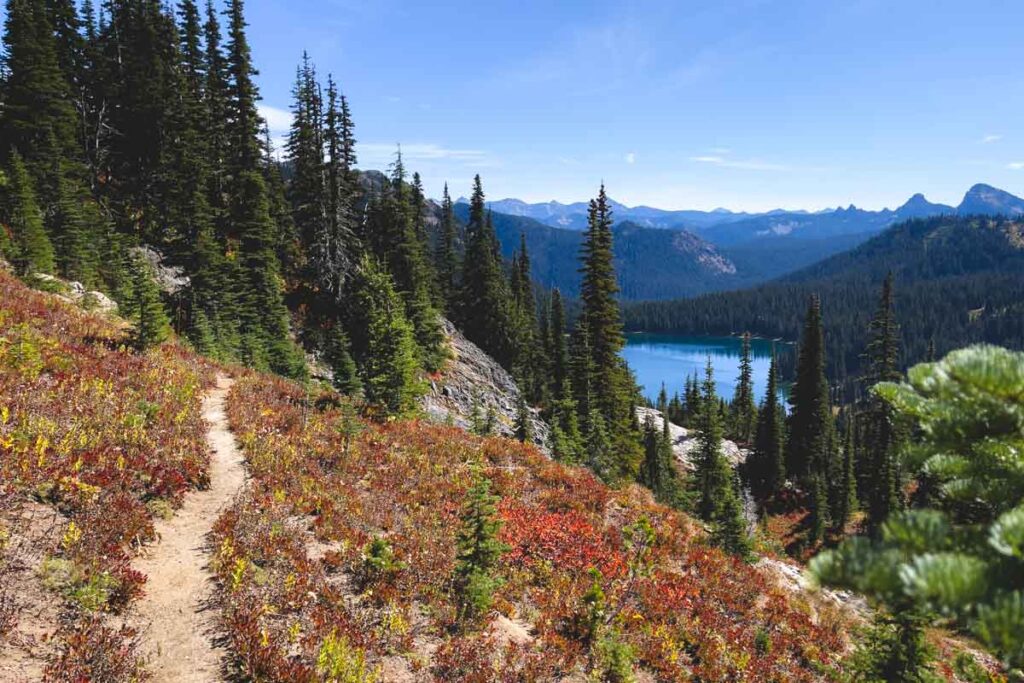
point(472, 378)
point(170, 279)
point(684, 441)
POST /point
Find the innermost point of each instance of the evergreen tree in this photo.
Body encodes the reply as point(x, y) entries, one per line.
point(287, 246)
point(74, 236)
point(70, 43)
point(383, 341)
point(485, 310)
point(848, 487)
point(523, 424)
point(33, 252)
point(530, 357)
point(264, 319)
point(337, 354)
point(766, 467)
point(744, 410)
point(658, 470)
point(38, 119)
point(882, 436)
point(478, 551)
point(964, 557)
point(446, 258)
point(305, 149)
point(559, 351)
point(335, 250)
point(215, 101)
point(566, 438)
point(150, 323)
point(391, 227)
point(818, 513)
point(613, 388)
point(810, 422)
point(581, 367)
point(718, 502)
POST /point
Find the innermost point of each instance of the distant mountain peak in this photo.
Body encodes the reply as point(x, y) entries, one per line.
point(918, 206)
point(985, 199)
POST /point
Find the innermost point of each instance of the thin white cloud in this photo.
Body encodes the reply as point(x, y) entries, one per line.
point(1015, 165)
point(278, 120)
point(742, 164)
point(631, 158)
point(382, 151)
point(989, 139)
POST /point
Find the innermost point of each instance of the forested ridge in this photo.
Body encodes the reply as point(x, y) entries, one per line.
point(958, 281)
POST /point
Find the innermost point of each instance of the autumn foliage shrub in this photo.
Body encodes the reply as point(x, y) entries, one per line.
point(105, 435)
point(352, 536)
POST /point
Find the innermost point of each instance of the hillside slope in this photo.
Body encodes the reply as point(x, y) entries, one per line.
point(297, 568)
point(95, 443)
point(338, 555)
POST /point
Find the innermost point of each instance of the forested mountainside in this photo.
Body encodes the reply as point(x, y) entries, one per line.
point(657, 263)
point(649, 263)
point(376, 551)
point(959, 280)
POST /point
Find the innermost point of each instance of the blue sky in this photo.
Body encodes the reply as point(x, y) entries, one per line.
point(750, 105)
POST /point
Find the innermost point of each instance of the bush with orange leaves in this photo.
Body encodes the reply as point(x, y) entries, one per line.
point(293, 553)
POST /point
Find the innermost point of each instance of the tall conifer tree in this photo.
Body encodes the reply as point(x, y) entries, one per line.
point(718, 502)
point(485, 310)
point(383, 341)
point(266, 334)
point(744, 409)
point(767, 464)
point(807, 450)
point(33, 252)
point(446, 258)
point(882, 435)
point(614, 390)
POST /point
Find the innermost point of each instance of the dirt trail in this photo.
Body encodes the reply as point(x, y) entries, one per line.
point(181, 623)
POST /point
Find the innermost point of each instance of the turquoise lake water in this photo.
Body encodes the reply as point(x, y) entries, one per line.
point(657, 358)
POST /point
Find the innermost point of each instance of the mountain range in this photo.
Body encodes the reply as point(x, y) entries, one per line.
point(724, 227)
point(662, 254)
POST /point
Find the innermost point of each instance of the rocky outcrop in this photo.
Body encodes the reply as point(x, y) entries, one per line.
point(75, 292)
point(684, 441)
point(473, 380)
point(795, 579)
point(170, 279)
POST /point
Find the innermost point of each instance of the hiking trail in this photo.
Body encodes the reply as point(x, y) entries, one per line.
point(181, 623)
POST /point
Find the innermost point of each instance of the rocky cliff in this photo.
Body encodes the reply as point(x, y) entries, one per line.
point(472, 379)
